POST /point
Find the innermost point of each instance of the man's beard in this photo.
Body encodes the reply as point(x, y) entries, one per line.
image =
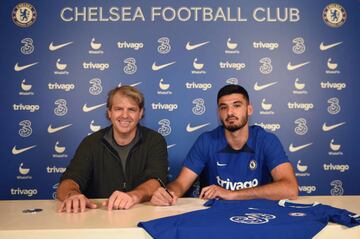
point(235, 127)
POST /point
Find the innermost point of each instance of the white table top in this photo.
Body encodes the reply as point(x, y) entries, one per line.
point(100, 223)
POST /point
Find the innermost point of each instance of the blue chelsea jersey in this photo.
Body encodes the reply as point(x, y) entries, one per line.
point(250, 219)
point(213, 158)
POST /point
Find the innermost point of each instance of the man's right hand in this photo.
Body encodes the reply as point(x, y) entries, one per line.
point(75, 203)
point(162, 198)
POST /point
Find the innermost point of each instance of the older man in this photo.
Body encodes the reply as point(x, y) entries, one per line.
point(121, 162)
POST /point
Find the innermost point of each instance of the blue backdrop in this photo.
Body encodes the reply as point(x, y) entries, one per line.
point(298, 60)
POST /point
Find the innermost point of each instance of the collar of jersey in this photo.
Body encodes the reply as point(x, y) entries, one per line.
point(288, 203)
point(247, 148)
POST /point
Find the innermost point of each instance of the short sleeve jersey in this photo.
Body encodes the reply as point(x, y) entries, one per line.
point(213, 158)
point(257, 219)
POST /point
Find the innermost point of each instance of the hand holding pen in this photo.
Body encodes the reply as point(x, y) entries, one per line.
point(164, 186)
point(162, 196)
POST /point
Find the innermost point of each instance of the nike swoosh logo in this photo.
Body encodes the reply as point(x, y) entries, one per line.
point(291, 67)
point(53, 130)
point(91, 108)
point(170, 146)
point(154, 67)
point(133, 85)
point(293, 149)
point(53, 47)
point(324, 47)
point(192, 129)
point(221, 164)
point(20, 68)
point(261, 87)
point(190, 47)
point(19, 151)
point(328, 128)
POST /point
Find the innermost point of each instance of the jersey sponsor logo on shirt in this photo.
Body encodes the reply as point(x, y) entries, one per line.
point(227, 184)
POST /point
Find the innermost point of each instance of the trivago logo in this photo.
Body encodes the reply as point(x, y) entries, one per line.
point(271, 127)
point(21, 107)
point(232, 65)
point(335, 85)
point(97, 66)
point(307, 189)
point(194, 85)
point(54, 169)
point(336, 167)
point(64, 87)
point(130, 45)
point(27, 192)
point(303, 106)
point(267, 45)
point(160, 106)
point(227, 184)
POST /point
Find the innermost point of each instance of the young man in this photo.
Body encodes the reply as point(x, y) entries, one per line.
point(120, 162)
point(235, 161)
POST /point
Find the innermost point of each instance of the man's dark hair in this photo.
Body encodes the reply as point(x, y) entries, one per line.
point(232, 89)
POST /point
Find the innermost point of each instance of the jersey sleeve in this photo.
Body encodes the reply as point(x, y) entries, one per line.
point(274, 151)
point(197, 156)
point(342, 216)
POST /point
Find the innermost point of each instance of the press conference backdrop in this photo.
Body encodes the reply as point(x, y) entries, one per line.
point(298, 60)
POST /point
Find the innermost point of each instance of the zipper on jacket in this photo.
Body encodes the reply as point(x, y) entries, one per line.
point(117, 156)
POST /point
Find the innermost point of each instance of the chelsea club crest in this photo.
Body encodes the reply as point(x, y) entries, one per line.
point(24, 14)
point(334, 15)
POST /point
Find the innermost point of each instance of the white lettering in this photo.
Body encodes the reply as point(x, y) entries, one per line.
point(31, 108)
point(100, 66)
point(336, 167)
point(304, 106)
point(168, 107)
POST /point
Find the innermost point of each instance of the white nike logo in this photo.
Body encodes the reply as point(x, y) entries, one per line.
point(154, 67)
point(190, 47)
point(91, 108)
point(133, 85)
point(53, 47)
point(261, 87)
point(293, 149)
point(20, 68)
point(170, 146)
point(328, 128)
point(294, 67)
point(19, 151)
point(220, 164)
point(192, 129)
point(324, 47)
point(53, 130)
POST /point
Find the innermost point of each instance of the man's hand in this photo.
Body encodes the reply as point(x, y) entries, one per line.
point(120, 200)
point(162, 198)
point(76, 202)
point(215, 191)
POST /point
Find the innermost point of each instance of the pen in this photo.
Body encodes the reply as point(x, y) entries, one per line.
point(163, 185)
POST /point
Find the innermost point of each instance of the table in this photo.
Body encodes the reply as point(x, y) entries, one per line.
point(100, 223)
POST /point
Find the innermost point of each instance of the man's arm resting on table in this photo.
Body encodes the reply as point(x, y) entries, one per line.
point(67, 188)
point(284, 185)
point(72, 199)
point(177, 188)
point(125, 200)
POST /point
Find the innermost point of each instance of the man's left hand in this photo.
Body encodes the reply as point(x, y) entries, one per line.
point(215, 191)
point(120, 200)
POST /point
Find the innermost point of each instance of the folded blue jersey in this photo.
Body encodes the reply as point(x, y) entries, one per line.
point(250, 219)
